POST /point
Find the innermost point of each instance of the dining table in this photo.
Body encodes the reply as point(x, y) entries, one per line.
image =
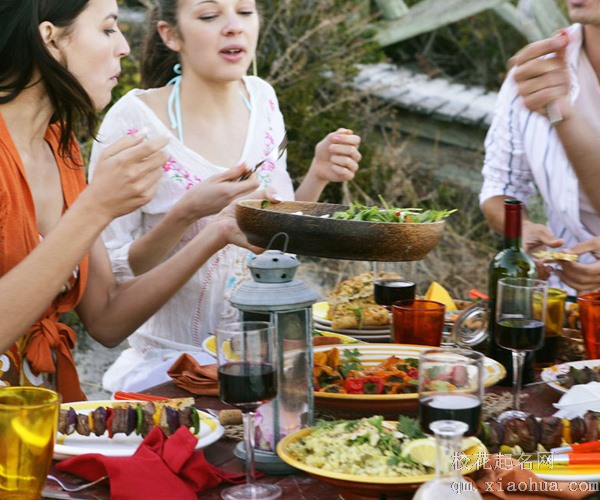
point(297, 485)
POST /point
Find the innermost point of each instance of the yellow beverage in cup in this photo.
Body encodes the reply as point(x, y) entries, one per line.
point(555, 317)
point(28, 420)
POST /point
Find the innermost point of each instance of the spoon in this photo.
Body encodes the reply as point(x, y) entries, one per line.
point(71, 487)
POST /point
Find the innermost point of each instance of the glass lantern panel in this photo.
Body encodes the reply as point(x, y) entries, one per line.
point(295, 389)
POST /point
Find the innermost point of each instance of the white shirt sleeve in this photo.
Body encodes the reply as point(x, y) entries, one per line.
point(506, 170)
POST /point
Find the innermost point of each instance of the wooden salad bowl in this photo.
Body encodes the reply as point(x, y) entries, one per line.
point(311, 234)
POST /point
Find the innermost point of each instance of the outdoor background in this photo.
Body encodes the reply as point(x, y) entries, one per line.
point(308, 50)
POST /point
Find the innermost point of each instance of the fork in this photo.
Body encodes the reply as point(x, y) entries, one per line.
point(273, 155)
point(71, 488)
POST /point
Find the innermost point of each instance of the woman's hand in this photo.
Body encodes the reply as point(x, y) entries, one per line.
point(127, 174)
point(215, 193)
point(336, 157)
point(225, 223)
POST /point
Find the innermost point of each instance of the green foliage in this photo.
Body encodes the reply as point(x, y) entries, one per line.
point(308, 50)
point(474, 50)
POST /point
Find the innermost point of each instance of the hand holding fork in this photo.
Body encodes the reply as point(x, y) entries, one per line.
point(273, 156)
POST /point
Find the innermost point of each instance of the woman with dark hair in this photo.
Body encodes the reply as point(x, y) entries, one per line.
point(60, 62)
point(217, 117)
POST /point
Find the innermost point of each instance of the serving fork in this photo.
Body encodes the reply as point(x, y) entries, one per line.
point(273, 156)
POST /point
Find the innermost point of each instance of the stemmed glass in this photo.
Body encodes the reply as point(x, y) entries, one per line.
point(520, 318)
point(246, 354)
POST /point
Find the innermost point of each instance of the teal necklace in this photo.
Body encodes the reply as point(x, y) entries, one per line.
point(174, 103)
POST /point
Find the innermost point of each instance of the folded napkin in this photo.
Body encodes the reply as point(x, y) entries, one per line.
point(504, 477)
point(190, 375)
point(165, 468)
point(578, 400)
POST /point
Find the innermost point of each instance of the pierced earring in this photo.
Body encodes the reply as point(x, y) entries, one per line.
point(177, 69)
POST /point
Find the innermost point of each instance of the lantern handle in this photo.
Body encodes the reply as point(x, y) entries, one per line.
point(285, 245)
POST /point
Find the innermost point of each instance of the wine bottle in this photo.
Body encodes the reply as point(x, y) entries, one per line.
point(512, 261)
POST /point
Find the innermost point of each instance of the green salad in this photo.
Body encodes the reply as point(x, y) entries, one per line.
point(360, 212)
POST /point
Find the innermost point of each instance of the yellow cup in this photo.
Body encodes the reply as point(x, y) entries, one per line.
point(28, 420)
point(555, 318)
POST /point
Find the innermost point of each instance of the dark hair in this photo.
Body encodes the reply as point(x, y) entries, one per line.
point(157, 60)
point(23, 53)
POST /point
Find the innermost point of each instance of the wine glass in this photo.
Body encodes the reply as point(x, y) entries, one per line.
point(451, 387)
point(246, 354)
point(448, 481)
point(520, 318)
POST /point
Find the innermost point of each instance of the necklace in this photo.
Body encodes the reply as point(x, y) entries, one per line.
point(174, 103)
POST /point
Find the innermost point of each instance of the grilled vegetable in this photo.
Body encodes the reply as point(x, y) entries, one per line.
point(128, 417)
point(533, 434)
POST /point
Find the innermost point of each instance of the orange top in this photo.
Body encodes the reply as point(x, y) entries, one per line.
point(43, 356)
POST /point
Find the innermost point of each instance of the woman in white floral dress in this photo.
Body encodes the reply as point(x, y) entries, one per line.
point(194, 63)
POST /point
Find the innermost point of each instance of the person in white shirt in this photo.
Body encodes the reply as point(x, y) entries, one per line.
point(194, 66)
point(525, 149)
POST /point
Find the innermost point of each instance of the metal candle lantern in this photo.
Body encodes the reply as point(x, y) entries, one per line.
point(275, 296)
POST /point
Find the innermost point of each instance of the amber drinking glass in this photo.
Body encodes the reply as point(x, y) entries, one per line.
point(418, 322)
point(28, 420)
point(589, 315)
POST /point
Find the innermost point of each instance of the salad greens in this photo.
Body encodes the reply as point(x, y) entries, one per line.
point(360, 212)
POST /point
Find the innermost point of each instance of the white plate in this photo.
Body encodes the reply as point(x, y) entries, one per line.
point(374, 338)
point(551, 373)
point(319, 313)
point(354, 333)
point(121, 445)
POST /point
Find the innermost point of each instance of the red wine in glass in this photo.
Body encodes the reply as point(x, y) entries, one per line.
point(247, 384)
point(448, 406)
point(388, 291)
point(520, 334)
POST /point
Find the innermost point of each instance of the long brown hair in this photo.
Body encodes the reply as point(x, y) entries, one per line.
point(157, 60)
point(23, 53)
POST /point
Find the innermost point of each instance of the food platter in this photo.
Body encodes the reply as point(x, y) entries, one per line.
point(210, 343)
point(121, 445)
point(551, 374)
point(320, 317)
point(373, 354)
point(350, 485)
point(312, 233)
point(365, 333)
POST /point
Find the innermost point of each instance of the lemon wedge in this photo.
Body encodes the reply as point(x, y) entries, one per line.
point(31, 438)
point(423, 451)
point(470, 442)
point(438, 293)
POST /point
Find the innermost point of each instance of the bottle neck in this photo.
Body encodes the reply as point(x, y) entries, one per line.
point(449, 464)
point(512, 225)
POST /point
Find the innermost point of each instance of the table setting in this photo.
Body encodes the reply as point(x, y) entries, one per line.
point(374, 370)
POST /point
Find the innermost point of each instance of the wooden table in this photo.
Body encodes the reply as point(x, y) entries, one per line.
point(298, 486)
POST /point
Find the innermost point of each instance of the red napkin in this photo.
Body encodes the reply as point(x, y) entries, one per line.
point(190, 375)
point(504, 477)
point(166, 468)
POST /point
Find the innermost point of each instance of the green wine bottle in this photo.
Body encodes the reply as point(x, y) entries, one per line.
point(512, 261)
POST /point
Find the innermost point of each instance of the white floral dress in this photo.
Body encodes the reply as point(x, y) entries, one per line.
point(185, 321)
